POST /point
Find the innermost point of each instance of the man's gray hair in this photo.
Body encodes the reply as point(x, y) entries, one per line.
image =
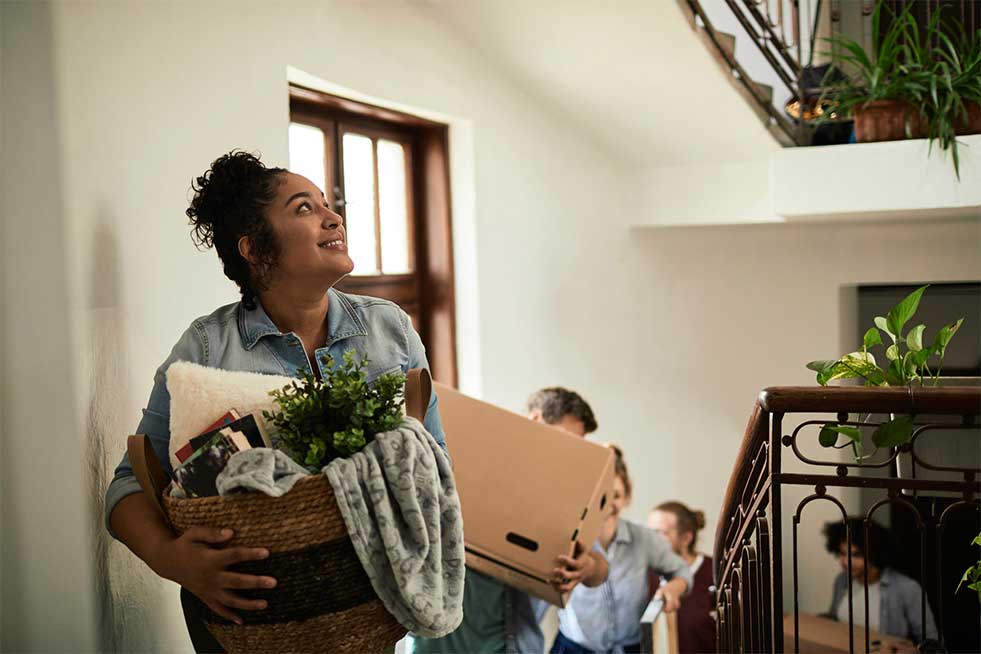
point(556, 402)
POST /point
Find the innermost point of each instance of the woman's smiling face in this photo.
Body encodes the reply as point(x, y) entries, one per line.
point(311, 237)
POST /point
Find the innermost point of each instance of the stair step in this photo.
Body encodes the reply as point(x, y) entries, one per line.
point(728, 42)
point(764, 90)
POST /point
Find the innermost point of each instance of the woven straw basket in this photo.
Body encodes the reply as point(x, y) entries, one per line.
point(323, 601)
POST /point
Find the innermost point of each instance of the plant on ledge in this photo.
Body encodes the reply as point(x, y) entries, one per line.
point(913, 86)
point(912, 367)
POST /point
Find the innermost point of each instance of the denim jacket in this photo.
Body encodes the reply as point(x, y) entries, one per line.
point(238, 339)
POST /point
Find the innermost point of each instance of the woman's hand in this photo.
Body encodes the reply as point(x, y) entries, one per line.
point(198, 562)
point(584, 566)
point(671, 593)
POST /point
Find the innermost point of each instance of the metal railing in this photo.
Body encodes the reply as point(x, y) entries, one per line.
point(926, 495)
point(788, 35)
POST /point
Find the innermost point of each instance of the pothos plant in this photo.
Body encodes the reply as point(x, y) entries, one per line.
point(912, 361)
point(321, 420)
point(972, 576)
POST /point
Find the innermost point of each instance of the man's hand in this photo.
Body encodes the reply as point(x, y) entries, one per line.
point(198, 562)
point(584, 566)
point(671, 593)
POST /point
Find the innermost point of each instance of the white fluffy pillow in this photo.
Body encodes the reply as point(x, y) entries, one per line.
point(199, 396)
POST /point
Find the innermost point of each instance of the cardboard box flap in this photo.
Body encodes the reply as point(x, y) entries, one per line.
point(528, 490)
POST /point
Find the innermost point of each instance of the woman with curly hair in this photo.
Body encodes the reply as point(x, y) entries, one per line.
point(285, 248)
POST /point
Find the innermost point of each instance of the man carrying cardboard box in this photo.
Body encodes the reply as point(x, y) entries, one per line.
point(501, 619)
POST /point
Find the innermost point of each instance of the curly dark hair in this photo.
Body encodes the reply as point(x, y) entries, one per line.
point(555, 403)
point(230, 201)
point(879, 551)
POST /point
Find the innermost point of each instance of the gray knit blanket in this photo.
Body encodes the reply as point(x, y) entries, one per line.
point(399, 503)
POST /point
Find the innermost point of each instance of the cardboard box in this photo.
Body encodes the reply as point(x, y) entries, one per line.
point(820, 635)
point(528, 491)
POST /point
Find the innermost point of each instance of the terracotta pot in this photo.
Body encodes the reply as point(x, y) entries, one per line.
point(973, 123)
point(886, 120)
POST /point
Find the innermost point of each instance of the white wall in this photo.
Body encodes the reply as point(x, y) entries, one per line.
point(45, 535)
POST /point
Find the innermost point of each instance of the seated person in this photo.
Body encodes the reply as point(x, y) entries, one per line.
point(895, 607)
point(607, 618)
point(696, 623)
point(497, 618)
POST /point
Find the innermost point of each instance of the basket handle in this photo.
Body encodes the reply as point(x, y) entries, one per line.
point(148, 471)
point(418, 390)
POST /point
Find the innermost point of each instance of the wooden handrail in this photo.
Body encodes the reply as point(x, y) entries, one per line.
point(963, 400)
point(754, 436)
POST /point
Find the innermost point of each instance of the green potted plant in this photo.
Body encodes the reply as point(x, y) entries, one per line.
point(885, 88)
point(321, 420)
point(920, 364)
point(914, 85)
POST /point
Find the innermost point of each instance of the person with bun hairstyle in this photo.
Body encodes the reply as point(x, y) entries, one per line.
point(680, 526)
point(284, 247)
point(607, 618)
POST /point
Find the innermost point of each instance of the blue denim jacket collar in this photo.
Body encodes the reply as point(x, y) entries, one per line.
point(342, 322)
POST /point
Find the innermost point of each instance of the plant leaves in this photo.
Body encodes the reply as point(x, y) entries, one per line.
point(914, 339)
point(892, 352)
point(900, 314)
point(882, 324)
point(872, 338)
point(856, 365)
point(943, 337)
point(894, 374)
point(828, 437)
point(893, 433)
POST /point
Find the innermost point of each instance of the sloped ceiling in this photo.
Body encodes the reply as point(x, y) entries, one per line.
point(631, 74)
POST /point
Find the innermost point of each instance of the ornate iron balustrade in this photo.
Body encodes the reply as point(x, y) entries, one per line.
point(750, 552)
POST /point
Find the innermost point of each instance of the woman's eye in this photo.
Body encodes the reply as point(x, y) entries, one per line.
point(303, 207)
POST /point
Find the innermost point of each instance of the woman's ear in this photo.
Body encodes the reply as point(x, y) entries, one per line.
point(245, 249)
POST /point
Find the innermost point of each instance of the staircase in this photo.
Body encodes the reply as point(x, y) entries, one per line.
point(758, 95)
point(788, 38)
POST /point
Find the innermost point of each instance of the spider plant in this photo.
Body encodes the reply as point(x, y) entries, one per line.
point(933, 73)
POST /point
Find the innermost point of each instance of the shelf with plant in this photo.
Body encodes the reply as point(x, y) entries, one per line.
point(913, 85)
point(912, 361)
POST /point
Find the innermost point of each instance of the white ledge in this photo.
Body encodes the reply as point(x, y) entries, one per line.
point(894, 180)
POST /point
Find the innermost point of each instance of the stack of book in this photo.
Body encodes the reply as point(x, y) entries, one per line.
point(206, 455)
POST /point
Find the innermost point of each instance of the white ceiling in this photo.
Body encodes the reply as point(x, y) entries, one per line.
point(630, 73)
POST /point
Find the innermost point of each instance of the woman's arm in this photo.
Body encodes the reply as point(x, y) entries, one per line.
point(664, 561)
point(196, 560)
